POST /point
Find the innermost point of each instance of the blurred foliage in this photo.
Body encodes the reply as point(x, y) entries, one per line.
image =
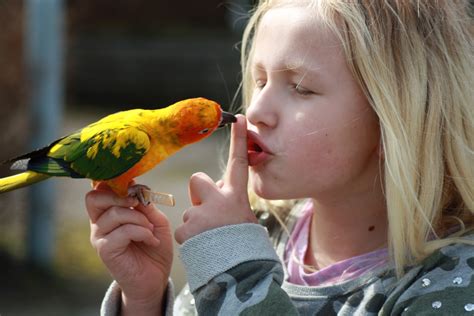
point(26, 290)
point(76, 257)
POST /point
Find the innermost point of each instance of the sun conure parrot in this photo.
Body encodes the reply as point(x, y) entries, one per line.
point(121, 146)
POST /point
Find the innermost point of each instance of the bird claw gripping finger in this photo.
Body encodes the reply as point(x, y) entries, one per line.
point(158, 197)
point(146, 196)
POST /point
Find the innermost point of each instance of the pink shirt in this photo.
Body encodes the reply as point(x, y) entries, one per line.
point(338, 272)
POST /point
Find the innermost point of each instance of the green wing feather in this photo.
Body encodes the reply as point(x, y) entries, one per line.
point(96, 152)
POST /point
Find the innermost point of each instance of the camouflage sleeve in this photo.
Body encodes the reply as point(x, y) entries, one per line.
point(234, 270)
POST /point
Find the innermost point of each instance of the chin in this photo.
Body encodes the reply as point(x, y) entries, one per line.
point(263, 194)
point(275, 190)
point(259, 187)
point(267, 191)
point(273, 195)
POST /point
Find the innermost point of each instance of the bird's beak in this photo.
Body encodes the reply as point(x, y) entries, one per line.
point(227, 118)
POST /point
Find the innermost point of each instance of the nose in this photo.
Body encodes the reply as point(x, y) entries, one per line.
point(263, 109)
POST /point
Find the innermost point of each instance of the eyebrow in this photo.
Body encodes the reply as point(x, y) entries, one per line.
point(292, 67)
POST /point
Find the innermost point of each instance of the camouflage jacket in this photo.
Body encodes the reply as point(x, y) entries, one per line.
point(249, 280)
point(236, 270)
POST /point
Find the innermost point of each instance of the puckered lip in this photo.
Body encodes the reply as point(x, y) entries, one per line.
point(255, 143)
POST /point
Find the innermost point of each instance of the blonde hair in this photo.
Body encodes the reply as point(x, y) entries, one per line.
point(414, 62)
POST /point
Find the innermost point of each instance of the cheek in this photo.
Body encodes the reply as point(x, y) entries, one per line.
point(319, 157)
point(307, 146)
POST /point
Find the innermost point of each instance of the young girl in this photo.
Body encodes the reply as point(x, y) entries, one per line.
point(358, 143)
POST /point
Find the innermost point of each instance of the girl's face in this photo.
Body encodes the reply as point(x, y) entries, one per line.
point(307, 113)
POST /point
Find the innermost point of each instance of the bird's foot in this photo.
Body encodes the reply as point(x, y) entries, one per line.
point(138, 191)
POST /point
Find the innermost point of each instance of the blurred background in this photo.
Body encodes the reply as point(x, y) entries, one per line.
point(65, 64)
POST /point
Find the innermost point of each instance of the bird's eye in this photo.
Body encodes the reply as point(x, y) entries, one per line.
point(204, 131)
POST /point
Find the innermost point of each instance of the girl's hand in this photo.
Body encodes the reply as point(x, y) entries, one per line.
point(225, 202)
point(134, 242)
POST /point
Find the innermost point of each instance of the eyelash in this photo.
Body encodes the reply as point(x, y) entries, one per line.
point(260, 84)
point(301, 91)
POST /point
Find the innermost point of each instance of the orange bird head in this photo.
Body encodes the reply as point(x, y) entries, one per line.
point(198, 118)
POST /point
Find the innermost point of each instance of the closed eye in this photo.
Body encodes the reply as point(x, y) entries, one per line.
point(301, 90)
point(204, 131)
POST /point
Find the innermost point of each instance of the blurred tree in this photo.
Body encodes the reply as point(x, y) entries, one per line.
point(13, 119)
point(12, 88)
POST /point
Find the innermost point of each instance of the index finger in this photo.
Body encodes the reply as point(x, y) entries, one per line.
point(99, 200)
point(237, 166)
point(153, 214)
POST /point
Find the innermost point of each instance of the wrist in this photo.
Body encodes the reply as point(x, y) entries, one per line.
point(152, 305)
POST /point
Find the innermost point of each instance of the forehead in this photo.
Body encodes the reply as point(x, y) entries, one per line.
point(294, 36)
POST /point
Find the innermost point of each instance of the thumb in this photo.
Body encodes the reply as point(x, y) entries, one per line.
point(237, 172)
point(200, 186)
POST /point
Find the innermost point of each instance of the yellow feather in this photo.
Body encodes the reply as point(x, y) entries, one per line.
point(21, 180)
point(92, 151)
point(55, 148)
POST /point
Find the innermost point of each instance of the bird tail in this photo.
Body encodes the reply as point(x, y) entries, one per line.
point(21, 180)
